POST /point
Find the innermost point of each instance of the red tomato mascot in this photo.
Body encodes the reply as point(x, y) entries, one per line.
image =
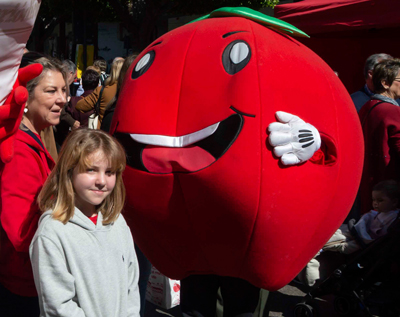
point(206, 192)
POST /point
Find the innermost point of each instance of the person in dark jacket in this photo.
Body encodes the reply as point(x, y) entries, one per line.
point(363, 95)
point(90, 79)
point(70, 117)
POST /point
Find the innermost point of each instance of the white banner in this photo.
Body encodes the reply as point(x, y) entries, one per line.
point(17, 18)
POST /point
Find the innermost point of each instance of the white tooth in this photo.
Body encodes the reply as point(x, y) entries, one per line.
point(175, 141)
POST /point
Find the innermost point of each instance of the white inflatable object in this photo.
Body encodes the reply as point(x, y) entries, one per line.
point(17, 18)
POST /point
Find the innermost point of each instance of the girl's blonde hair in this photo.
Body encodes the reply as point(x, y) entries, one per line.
point(125, 66)
point(58, 192)
point(114, 72)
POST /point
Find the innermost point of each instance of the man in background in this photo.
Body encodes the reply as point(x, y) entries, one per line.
point(364, 94)
point(71, 71)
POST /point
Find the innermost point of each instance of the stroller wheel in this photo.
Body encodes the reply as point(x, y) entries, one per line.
point(303, 310)
point(346, 305)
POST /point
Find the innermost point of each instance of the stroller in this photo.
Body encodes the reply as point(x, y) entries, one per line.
point(368, 284)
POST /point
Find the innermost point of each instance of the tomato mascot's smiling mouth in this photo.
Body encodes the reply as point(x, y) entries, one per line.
point(160, 154)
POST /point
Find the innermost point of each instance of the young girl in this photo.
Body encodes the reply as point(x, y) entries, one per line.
point(372, 225)
point(82, 254)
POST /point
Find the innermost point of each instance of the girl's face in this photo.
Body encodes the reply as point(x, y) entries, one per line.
point(94, 184)
point(382, 203)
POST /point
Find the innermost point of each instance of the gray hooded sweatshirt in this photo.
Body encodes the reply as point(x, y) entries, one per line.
point(83, 269)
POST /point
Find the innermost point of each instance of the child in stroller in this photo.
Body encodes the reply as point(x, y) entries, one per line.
point(372, 225)
point(377, 233)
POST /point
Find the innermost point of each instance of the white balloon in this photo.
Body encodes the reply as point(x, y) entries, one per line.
point(17, 18)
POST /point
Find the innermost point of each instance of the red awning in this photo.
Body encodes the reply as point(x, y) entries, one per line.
point(322, 16)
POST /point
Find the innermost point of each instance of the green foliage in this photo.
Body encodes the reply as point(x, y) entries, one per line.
point(206, 6)
point(106, 11)
point(270, 3)
point(138, 16)
point(99, 10)
point(260, 4)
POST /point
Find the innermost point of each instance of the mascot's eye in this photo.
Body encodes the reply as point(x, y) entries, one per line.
point(143, 64)
point(236, 56)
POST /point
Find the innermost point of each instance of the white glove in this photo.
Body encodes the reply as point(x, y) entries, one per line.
point(294, 141)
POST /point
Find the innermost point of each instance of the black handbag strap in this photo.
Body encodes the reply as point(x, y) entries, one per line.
point(97, 107)
point(369, 111)
point(33, 136)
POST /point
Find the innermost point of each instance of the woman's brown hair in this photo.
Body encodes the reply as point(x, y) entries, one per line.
point(58, 193)
point(49, 64)
point(386, 70)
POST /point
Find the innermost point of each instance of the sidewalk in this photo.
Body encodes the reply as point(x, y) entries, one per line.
point(279, 304)
point(282, 303)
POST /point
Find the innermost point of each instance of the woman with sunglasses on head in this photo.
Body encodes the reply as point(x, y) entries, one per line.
point(380, 120)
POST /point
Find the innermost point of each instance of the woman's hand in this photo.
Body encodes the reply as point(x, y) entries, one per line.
point(76, 125)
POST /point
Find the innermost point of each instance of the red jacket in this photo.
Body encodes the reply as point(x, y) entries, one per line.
point(83, 118)
point(381, 129)
point(21, 181)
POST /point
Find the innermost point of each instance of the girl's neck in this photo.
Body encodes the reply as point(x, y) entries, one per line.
point(86, 208)
point(88, 212)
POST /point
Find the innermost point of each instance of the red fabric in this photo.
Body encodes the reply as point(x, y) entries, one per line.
point(21, 181)
point(83, 118)
point(12, 110)
point(345, 32)
point(94, 219)
point(245, 215)
point(381, 130)
point(168, 160)
point(322, 16)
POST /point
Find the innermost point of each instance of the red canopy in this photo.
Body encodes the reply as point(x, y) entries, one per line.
point(320, 16)
point(345, 32)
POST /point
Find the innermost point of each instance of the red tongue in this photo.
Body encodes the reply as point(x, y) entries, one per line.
point(168, 160)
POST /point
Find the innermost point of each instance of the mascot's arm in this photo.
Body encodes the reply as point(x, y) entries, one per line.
point(294, 140)
point(12, 110)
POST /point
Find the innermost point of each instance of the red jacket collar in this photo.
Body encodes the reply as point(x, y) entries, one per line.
point(33, 140)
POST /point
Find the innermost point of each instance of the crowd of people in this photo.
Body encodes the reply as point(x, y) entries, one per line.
point(378, 106)
point(63, 190)
point(377, 103)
